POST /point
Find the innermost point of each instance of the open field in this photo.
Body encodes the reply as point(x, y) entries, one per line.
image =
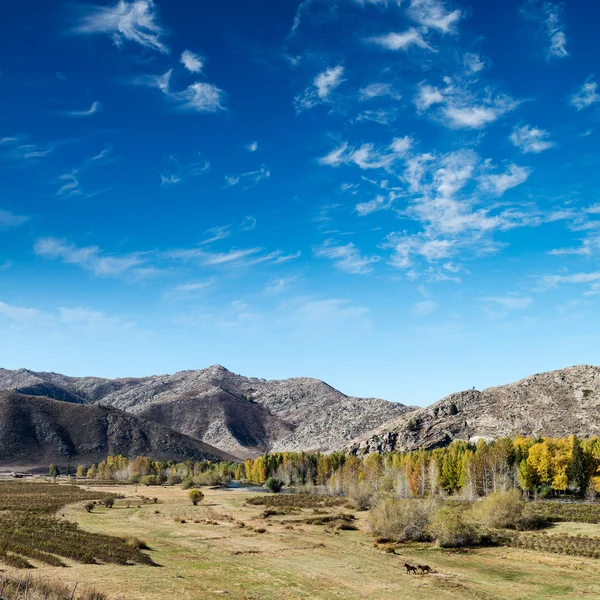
point(211, 555)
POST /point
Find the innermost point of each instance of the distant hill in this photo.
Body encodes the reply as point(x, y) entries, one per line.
point(35, 431)
point(241, 415)
point(555, 404)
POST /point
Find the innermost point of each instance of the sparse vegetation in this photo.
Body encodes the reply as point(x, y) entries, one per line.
point(35, 588)
point(28, 532)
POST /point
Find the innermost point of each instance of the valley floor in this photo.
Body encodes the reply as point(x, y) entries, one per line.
point(216, 558)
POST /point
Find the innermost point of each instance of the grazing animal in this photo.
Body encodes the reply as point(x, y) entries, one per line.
point(424, 569)
point(410, 569)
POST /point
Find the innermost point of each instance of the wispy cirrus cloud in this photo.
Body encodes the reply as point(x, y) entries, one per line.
point(176, 170)
point(249, 179)
point(70, 182)
point(531, 139)
point(458, 107)
point(433, 14)
point(9, 219)
point(321, 90)
point(94, 108)
point(132, 21)
point(511, 301)
point(378, 90)
point(367, 156)
point(346, 257)
point(586, 95)
point(92, 258)
point(548, 16)
point(198, 97)
point(401, 41)
point(499, 183)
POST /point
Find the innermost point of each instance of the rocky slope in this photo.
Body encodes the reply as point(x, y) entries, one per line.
point(558, 403)
point(35, 431)
point(242, 415)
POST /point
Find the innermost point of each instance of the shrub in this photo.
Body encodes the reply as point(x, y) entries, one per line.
point(195, 496)
point(274, 485)
point(89, 506)
point(402, 520)
point(361, 496)
point(450, 529)
point(136, 543)
point(150, 480)
point(504, 510)
point(188, 483)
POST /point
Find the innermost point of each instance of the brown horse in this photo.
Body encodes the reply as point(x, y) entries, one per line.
point(410, 569)
point(424, 569)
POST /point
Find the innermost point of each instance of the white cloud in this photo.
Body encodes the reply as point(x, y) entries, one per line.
point(20, 314)
point(175, 169)
point(199, 96)
point(96, 107)
point(427, 96)
point(531, 139)
point(367, 156)
point(91, 258)
point(71, 185)
point(135, 21)
point(587, 95)
point(511, 301)
point(378, 90)
point(402, 41)
point(433, 14)
point(217, 233)
point(461, 109)
point(499, 183)
point(321, 89)
point(473, 62)
point(252, 147)
point(555, 31)
point(378, 203)
point(248, 223)
point(251, 179)
point(380, 116)
point(346, 257)
point(549, 281)
point(192, 62)
point(9, 219)
point(472, 117)
point(425, 307)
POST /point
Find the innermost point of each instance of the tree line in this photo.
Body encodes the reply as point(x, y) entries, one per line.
point(537, 466)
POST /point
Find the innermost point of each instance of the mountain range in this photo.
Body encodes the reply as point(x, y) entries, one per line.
point(240, 415)
point(216, 414)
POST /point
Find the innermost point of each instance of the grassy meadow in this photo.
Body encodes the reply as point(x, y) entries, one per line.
point(226, 548)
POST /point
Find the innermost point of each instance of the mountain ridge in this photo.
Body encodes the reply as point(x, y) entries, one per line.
point(555, 404)
point(35, 430)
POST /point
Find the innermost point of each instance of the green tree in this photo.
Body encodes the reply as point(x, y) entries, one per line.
point(53, 471)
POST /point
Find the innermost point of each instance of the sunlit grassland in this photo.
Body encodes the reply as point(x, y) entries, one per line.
point(217, 557)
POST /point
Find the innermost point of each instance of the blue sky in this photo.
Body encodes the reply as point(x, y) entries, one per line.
point(400, 198)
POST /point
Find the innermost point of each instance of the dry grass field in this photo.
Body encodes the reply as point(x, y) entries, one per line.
point(225, 548)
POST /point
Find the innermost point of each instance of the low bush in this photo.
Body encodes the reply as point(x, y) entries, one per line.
point(504, 510)
point(450, 528)
point(402, 520)
point(361, 496)
point(274, 485)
